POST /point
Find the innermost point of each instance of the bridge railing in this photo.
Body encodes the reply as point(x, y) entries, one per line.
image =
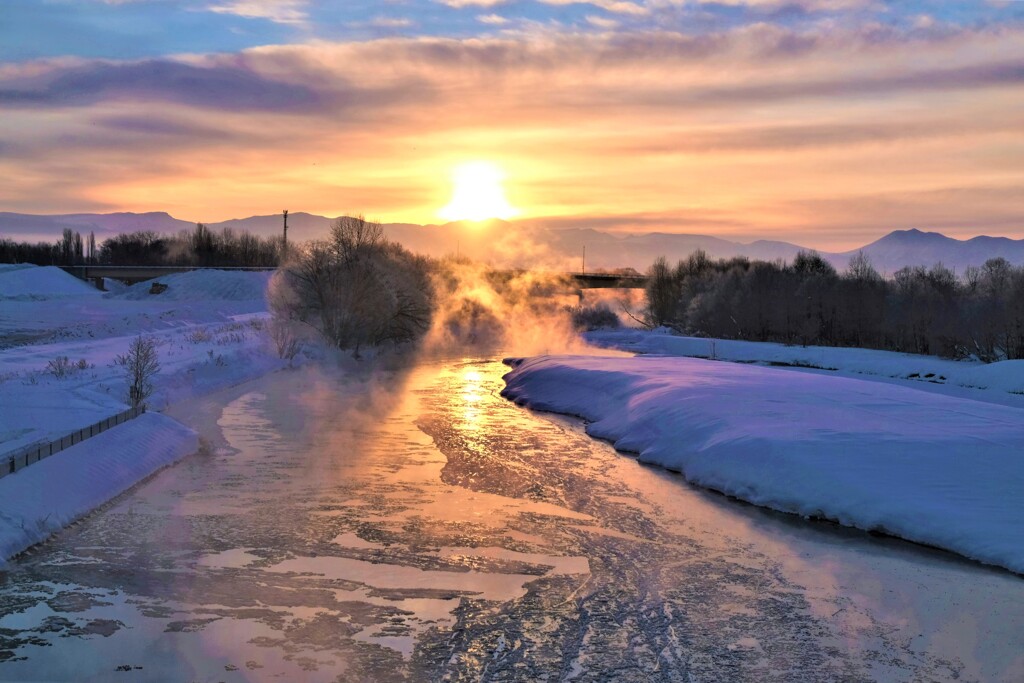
point(21, 458)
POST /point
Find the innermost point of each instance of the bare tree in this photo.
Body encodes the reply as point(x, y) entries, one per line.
point(357, 289)
point(286, 342)
point(353, 236)
point(140, 367)
point(663, 293)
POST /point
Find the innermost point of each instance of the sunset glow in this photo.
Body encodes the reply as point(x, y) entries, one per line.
point(477, 194)
point(828, 126)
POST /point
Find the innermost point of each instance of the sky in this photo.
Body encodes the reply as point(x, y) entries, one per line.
point(822, 122)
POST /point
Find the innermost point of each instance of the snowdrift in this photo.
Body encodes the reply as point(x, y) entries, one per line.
point(48, 495)
point(202, 285)
point(41, 282)
point(929, 468)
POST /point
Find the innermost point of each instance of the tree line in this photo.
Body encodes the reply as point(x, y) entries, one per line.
point(807, 302)
point(198, 247)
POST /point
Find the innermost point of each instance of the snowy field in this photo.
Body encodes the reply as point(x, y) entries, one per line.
point(210, 328)
point(929, 468)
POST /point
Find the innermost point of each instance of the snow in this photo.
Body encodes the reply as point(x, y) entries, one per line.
point(207, 285)
point(44, 412)
point(36, 406)
point(1001, 382)
point(929, 468)
point(210, 329)
point(41, 282)
point(44, 497)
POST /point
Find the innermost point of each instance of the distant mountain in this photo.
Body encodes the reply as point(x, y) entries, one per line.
point(914, 247)
point(530, 243)
point(32, 227)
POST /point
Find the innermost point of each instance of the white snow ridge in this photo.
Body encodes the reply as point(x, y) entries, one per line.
point(934, 469)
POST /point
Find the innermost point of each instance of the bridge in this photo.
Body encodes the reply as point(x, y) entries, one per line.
point(607, 281)
point(132, 274)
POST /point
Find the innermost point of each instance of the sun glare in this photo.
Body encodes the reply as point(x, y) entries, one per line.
point(477, 194)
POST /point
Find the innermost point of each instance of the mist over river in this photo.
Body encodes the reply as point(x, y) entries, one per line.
point(410, 525)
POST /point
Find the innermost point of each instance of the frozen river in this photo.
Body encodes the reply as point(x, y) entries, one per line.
point(412, 525)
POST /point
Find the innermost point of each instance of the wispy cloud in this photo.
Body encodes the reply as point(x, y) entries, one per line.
point(601, 22)
point(617, 6)
point(492, 19)
point(458, 4)
point(384, 22)
point(826, 130)
point(278, 11)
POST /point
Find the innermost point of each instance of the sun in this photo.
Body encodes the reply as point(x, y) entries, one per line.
point(477, 194)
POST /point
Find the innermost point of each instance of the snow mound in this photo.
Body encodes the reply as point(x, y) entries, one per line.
point(203, 285)
point(8, 267)
point(41, 282)
point(929, 468)
point(48, 495)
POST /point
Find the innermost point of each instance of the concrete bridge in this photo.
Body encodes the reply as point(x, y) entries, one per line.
point(132, 274)
point(607, 281)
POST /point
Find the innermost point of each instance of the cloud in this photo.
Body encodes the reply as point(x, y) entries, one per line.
point(616, 6)
point(807, 5)
point(384, 22)
point(223, 84)
point(755, 128)
point(458, 4)
point(214, 87)
point(492, 19)
point(601, 22)
point(278, 11)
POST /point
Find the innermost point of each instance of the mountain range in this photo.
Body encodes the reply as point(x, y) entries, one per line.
point(531, 244)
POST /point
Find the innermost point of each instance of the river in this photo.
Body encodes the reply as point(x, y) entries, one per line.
point(410, 524)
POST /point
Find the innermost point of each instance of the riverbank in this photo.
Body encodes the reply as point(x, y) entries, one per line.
point(59, 340)
point(937, 470)
point(47, 496)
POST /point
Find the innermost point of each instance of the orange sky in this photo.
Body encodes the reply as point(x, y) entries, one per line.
point(827, 138)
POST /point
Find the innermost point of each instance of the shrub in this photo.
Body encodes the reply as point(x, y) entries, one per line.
point(199, 335)
point(596, 317)
point(60, 367)
point(286, 342)
point(357, 289)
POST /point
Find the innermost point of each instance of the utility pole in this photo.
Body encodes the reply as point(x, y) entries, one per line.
point(285, 240)
point(583, 269)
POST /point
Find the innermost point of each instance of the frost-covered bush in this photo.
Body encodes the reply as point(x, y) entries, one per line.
point(596, 317)
point(286, 341)
point(199, 335)
point(357, 289)
point(61, 366)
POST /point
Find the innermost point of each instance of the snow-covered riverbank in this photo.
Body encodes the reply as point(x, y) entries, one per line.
point(209, 327)
point(1001, 382)
point(934, 469)
point(42, 499)
point(210, 330)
